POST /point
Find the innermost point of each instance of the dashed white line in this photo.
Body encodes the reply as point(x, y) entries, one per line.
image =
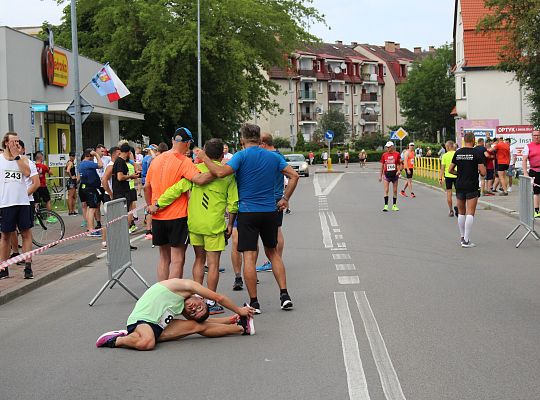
point(338, 236)
point(341, 244)
point(389, 379)
point(345, 267)
point(356, 379)
point(332, 219)
point(341, 256)
point(349, 280)
point(327, 238)
point(337, 230)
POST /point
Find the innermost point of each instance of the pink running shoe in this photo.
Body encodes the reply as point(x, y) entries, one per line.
point(108, 339)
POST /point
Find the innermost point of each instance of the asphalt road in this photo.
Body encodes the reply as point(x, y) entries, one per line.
point(387, 306)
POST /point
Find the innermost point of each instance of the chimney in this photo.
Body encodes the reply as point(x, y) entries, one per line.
point(354, 44)
point(417, 50)
point(397, 46)
point(339, 42)
point(390, 47)
point(431, 49)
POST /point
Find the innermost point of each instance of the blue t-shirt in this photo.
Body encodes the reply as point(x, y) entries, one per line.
point(280, 181)
point(256, 170)
point(88, 173)
point(145, 165)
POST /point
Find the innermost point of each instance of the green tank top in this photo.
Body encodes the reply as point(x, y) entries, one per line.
point(131, 170)
point(158, 305)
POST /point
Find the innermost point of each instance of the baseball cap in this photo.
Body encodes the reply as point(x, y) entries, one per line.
point(411, 144)
point(388, 144)
point(185, 135)
point(151, 147)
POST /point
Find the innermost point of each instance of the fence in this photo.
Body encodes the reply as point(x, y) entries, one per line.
point(118, 247)
point(427, 167)
point(526, 209)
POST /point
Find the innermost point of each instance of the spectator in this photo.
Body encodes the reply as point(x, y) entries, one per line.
point(71, 184)
point(311, 157)
point(122, 179)
point(339, 156)
point(226, 155)
point(362, 157)
point(90, 186)
point(42, 194)
point(502, 153)
point(346, 157)
point(428, 152)
point(511, 167)
point(325, 158)
point(419, 151)
point(442, 150)
point(531, 154)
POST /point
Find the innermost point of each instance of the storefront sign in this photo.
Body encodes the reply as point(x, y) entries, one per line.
point(54, 67)
point(519, 136)
point(58, 160)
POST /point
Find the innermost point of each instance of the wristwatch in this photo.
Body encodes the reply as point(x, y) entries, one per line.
point(17, 158)
point(156, 205)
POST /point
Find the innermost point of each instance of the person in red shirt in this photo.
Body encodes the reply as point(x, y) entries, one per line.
point(390, 170)
point(502, 153)
point(43, 195)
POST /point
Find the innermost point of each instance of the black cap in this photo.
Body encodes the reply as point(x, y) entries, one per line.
point(184, 133)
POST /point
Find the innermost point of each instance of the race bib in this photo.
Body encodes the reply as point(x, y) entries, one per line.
point(412, 161)
point(12, 176)
point(390, 167)
point(166, 318)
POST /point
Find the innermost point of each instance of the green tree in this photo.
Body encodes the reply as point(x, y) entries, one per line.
point(152, 45)
point(428, 95)
point(334, 120)
point(300, 141)
point(281, 143)
point(516, 24)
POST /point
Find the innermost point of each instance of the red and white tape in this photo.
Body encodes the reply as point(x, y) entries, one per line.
point(28, 254)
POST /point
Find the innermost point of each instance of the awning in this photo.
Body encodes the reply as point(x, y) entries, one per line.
point(105, 112)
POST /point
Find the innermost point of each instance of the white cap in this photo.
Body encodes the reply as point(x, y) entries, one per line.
point(411, 144)
point(388, 144)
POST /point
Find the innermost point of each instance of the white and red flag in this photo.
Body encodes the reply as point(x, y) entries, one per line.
point(107, 83)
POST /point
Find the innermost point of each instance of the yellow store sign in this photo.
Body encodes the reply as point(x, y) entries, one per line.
point(54, 67)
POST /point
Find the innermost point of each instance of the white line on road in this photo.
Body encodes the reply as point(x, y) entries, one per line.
point(328, 189)
point(356, 379)
point(345, 267)
point(338, 236)
point(341, 256)
point(341, 244)
point(339, 249)
point(337, 230)
point(327, 237)
point(332, 219)
point(387, 373)
point(349, 280)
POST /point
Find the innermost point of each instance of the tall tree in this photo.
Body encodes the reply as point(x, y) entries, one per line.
point(428, 95)
point(516, 25)
point(334, 120)
point(152, 44)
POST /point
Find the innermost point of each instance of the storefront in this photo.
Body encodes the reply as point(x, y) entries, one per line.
point(36, 88)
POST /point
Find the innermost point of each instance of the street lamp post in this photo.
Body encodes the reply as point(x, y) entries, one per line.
point(76, 84)
point(199, 124)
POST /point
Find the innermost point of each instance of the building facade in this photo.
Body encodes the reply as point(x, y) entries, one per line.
point(36, 88)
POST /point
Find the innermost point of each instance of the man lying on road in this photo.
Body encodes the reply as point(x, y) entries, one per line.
point(153, 318)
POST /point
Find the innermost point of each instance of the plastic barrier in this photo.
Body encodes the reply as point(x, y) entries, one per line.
point(526, 209)
point(427, 167)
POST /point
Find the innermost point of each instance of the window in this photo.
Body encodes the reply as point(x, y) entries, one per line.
point(346, 109)
point(384, 70)
point(11, 127)
point(291, 109)
point(290, 85)
point(463, 88)
point(319, 66)
point(356, 110)
point(354, 90)
point(347, 89)
point(320, 87)
point(346, 70)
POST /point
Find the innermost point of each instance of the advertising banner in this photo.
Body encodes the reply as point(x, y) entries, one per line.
point(482, 128)
point(519, 136)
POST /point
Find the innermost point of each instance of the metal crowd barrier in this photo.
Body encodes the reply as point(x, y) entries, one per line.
point(118, 247)
point(526, 209)
point(427, 167)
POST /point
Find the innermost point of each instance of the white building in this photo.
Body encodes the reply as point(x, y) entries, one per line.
point(32, 79)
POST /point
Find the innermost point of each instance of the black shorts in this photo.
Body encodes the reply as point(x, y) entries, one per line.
point(93, 197)
point(409, 176)
point(71, 184)
point(536, 176)
point(490, 174)
point(467, 195)
point(251, 225)
point(280, 218)
point(156, 328)
point(16, 217)
point(42, 194)
point(82, 195)
point(449, 182)
point(106, 198)
point(132, 195)
point(391, 176)
point(502, 167)
point(122, 195)
point(172, 232)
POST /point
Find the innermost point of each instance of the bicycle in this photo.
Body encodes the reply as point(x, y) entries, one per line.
point(48, 226)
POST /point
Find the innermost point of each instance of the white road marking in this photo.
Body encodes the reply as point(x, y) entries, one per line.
point(341, 256)
point(337, 230)
point(332, 185)
point(356, 379)
point(339, 249)
point(338, 236)
point(345, 267)
point(387, 373)
point(332, 219)
point(348, 280)
point(316, 185)
point(341, 244)
point(327, 237)
point(328, 189)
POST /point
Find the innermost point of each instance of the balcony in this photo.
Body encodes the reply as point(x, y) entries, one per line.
point(339, 77)
point(307, 74)
point(307, 95)
point(336, 96)
point(370, 118)
point(369, 77)
point(308, 118)
point(368, 97)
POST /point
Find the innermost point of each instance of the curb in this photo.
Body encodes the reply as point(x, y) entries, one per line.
point(49, 276)
point(487, 205)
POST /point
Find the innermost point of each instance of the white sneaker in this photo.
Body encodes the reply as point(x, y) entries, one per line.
point(468, 244)
point(510, 189)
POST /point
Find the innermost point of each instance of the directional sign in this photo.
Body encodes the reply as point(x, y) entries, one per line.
point(329, 135)
point(401, 133)
point(393, 135)
point(86, 109)
point(58, 160)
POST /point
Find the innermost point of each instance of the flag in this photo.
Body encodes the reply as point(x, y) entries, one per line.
point(107, 83)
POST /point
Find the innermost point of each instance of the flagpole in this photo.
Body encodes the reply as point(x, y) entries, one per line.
point(76, 84)
point(199, 127)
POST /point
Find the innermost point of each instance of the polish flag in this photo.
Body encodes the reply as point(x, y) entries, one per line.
point(107, 83)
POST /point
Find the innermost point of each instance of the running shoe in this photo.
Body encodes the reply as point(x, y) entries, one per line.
point(287, 211)
point(467, 244)
point(248, 324)
point(28, 274)
point(132, 229)
point(238, 284)
point(83, 224)
point(108, 339)
point(286, 302)
point(266, 267)
point(413, 195)
point(52, 220)
point(131, 247)
point(385, 208)
point(256, 306)
point(503, 194)
point(395, 207)
point(451, 213)
point(215, 309)
point(4, 273)
point(489, 194)
point(537, 215)
point(103, 246)
point(403, 193)
point(98, 225)
point(510, 189)
point(94, 234)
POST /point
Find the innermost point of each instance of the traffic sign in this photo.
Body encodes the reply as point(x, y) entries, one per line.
point(393, 135)
point(86, 109)
point(329, 135)
point(58, 160)
point(401, 133)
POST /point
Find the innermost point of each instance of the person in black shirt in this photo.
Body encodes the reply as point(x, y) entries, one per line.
point(121, 176)
point(469, 162)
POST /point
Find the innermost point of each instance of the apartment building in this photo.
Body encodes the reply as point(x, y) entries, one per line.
point(323, 77)
point(393, 64)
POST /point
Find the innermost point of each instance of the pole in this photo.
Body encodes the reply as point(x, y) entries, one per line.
point(76, 85)
point(199, 127)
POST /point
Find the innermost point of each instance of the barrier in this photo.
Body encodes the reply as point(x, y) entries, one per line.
point(118, 247)
point(427, 167)
point(526, 209)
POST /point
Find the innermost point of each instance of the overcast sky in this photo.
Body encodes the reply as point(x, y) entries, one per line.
point(409, 22)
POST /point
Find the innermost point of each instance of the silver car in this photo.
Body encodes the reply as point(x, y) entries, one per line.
point(298, 162)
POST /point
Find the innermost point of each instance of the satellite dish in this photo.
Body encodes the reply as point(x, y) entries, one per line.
point(377, 109)
point(343, 66)
point(373, 77)
point(337, 70)
point(369, 110)
point(362, 122)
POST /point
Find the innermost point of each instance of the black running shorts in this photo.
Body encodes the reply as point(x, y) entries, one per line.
point(409, 175)
point(172, 232)
point(536, 176)
point(449, 182)
point(16, 217)
point(251, 225)
point(467, 195)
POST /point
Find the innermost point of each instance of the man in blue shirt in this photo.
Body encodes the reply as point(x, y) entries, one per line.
point(256, 174)
point(90, 184)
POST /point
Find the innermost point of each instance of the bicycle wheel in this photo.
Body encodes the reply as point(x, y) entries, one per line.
point(48, 227)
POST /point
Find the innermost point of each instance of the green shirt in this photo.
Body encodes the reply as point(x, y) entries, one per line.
point(155, 303)
point(207, 203)
point(131, 170)
point(446, 159)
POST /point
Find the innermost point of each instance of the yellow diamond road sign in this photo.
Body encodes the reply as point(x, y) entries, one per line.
point(401, 133)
